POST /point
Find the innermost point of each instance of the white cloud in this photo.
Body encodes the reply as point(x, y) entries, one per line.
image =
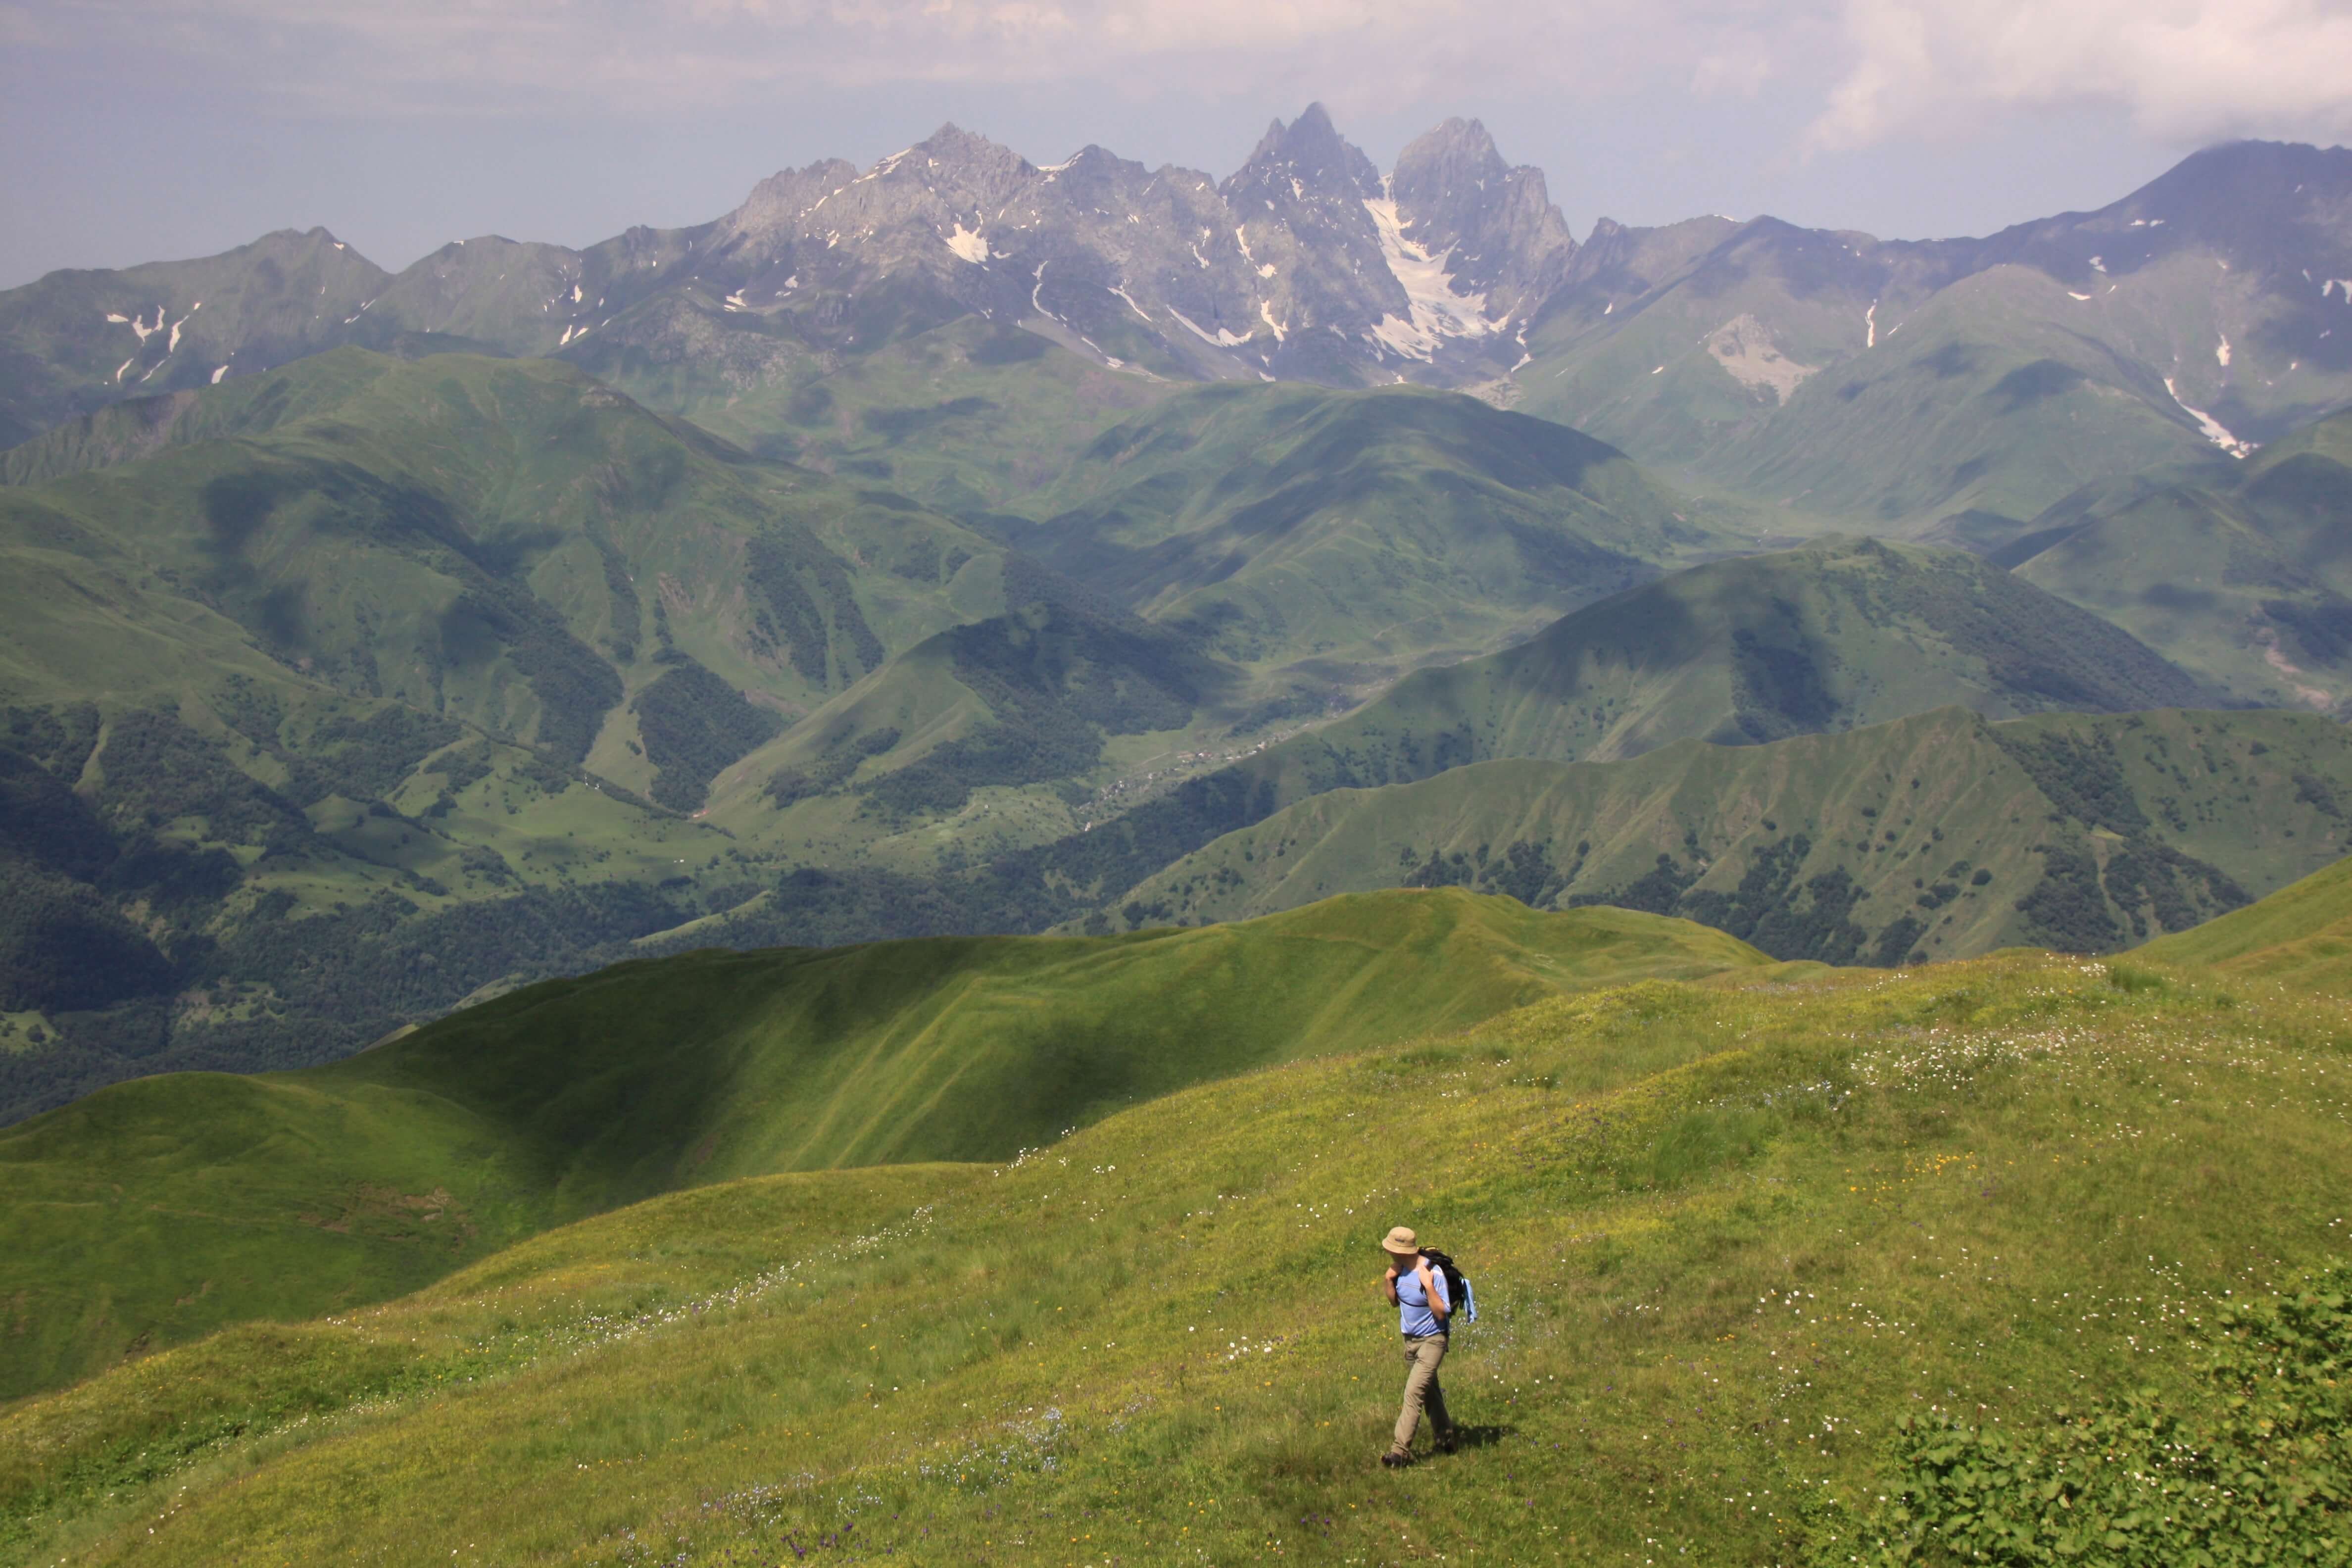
point(1859, 71)
point(2183, 70)
point(661, 54)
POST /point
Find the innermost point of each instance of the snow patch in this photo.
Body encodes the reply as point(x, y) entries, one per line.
point(112, 316)
point(173, 345)
point(2072, 295)
point(1610, 308)
point(735, 301)
point(969, 243)
point(2213, 429)
point(2098, 264)
point(2343, 283)
point(1221, 338)
point(1122, 293)
point(1265, 313)
point(2221, 350)
point(1437, 311)
point(218, 374)
point(1241, 238)
point(1870, 324)
point(1297, 191)
point(1199, 258)
point(126, 364)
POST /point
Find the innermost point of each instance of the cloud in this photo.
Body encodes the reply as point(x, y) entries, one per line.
point(2184, 72)
point(492, 56)
point(1859, 71)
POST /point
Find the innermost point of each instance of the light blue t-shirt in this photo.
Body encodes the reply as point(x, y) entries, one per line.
point(1413, 1315)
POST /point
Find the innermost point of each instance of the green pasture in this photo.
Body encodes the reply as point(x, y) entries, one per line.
point(1730, 1237)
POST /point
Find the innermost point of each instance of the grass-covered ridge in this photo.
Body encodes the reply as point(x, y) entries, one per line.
point(166, 1207)
point(1943, 835)
point(1728, 1235)
point(2299, 936)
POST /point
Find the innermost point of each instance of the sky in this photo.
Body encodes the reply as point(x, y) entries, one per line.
point(140, 130)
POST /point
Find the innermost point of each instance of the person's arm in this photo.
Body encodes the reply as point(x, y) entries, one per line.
point(1387, 1285)
point(1433, 1286)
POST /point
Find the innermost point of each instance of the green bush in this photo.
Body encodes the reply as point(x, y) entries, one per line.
point(2253, 1469)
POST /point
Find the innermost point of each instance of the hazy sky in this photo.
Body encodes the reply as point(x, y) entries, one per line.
point(135, 130)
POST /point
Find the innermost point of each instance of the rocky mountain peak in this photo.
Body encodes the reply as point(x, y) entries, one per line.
point(1308, 157)
point(953, 146)
point(1495, 225)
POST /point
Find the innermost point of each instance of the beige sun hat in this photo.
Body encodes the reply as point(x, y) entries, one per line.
point(1402, 1242)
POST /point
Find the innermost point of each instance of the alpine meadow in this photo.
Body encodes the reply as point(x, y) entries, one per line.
point(811, 886)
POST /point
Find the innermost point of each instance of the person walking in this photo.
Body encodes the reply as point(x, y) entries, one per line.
point(1417, 1291)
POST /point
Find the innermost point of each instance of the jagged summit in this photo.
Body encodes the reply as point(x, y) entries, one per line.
point(1453, 269)
point(1307, 157)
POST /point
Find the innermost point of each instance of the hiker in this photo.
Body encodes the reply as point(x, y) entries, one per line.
point(1417, 1289)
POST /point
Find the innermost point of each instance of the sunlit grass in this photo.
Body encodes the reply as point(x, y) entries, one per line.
point(1744, 1230)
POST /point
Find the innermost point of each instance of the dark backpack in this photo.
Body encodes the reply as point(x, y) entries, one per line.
point(1462, 1304)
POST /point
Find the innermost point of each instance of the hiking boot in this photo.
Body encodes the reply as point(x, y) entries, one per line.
point(1396, 1459)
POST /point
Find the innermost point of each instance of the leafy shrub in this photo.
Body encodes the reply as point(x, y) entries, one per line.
point(2252, 1469)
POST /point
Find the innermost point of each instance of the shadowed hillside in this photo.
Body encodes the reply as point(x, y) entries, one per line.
point(2300, 936)
point(160, 1208)
point(1939, 836)
point(1823, 638)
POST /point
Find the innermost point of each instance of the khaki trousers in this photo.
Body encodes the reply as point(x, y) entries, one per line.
point(1423, 1356)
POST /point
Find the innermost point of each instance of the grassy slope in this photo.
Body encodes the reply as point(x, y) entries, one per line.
point(1826, 637)
point(354, 540)
point(69, 345)
point(970, 417)
point(1995, 396)
point(1389, 528)
point(1318, 542)
point(1724, 1236)
point(1911, 811)
point(2300, 935)
point(2242, 579)
point(378, 1173)
point(141, 427)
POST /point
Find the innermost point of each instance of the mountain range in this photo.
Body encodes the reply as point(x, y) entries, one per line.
point(1842, 379)
point(807, 885)
point(965, 546)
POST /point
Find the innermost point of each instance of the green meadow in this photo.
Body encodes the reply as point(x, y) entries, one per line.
point(1775, 1264)
point(161, 1208)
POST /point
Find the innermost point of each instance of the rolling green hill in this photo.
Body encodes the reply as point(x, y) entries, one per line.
point(1785, 1266)
point(2300, 936)
point(2240, 577)
point(469, 536)
point(1830, 637)
point(286, 1195)
point(373, 683)
point(1942, 835)
point(79, 340)
point(1320, 531)
point(972, 417)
